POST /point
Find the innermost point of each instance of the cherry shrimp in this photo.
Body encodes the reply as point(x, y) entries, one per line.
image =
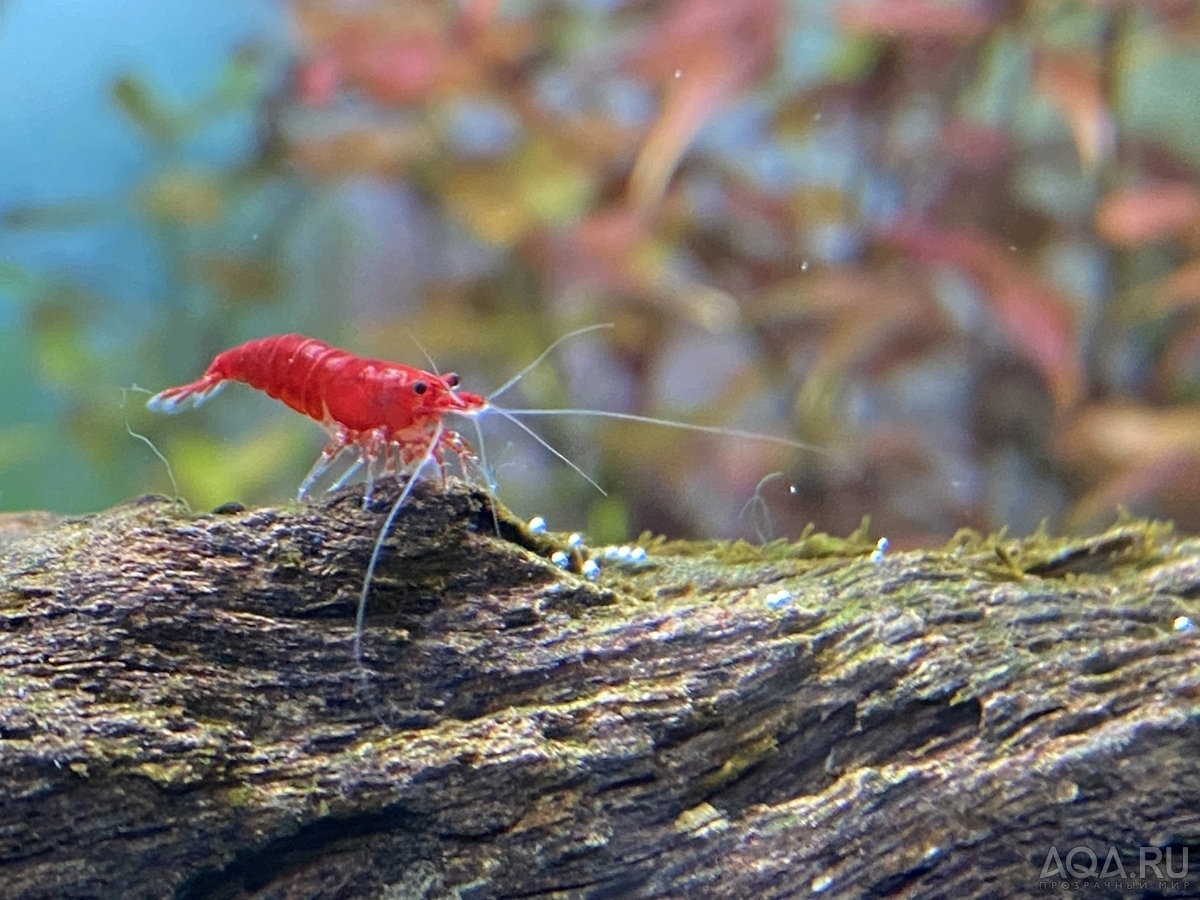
point(389, 415)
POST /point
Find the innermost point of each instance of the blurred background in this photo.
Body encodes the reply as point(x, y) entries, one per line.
point(955, 246)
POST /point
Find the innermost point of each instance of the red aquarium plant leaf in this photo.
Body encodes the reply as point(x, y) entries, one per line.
point(1151, 212)
point(1038, 318)
point(1180, 289)
point(403, 53)
point(1114, 435)
point(909, 19)
point(317, 80)
point(700, 55)
point(596, 251)
point(1073, 83)
point(1133, 456)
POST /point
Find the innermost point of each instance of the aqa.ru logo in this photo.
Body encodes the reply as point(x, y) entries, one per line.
point(1083, 862)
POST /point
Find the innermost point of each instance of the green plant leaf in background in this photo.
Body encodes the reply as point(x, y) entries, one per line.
point(134, 97)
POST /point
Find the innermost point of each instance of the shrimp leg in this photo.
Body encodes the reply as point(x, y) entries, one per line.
point(337, 445)
point(345, 476)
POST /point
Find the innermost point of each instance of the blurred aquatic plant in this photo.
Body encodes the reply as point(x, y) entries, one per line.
point(83, 345)
point(896, 218)
point(953, 244)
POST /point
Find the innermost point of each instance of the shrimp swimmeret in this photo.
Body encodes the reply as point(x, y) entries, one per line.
point(390, 415)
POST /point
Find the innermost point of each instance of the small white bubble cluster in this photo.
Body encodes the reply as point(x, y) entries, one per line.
point(590, 568)
point(624, 553)
point(1183, 623)
point(880, 549)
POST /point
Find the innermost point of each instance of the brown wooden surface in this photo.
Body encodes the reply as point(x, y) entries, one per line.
point(180, 714)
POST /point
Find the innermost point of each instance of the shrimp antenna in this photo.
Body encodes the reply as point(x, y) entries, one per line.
point(425, 353)
point(149, 443)
point(360, 617)
point(487, 474)
point(756, 511)
point(541, 440)
point(533, 365)
point(666, 423)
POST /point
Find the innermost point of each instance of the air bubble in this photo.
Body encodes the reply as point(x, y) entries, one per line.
point(777, 599)
point(880, 549)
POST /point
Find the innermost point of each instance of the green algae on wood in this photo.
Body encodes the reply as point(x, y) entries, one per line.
point(179, 706)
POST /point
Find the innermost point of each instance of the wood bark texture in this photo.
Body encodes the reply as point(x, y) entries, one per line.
point(181, 715)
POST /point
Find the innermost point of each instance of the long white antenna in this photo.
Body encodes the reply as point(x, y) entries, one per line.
point(387, 526)
point(525, 371)
point(537, 437)
point(666, 423)
point(487, 474)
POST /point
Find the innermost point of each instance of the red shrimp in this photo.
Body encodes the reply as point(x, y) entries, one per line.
point(386, 410)
point(383, 409)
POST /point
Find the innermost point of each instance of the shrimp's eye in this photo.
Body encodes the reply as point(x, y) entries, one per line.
point(420, 387)
point(451, 379)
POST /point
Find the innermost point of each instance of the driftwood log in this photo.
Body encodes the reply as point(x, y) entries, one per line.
point(181, 714)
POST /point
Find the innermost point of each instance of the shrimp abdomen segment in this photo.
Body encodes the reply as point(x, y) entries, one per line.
point(288, 368)
point(293, 369)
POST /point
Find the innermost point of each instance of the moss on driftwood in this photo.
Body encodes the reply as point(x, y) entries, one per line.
point(180, 713)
